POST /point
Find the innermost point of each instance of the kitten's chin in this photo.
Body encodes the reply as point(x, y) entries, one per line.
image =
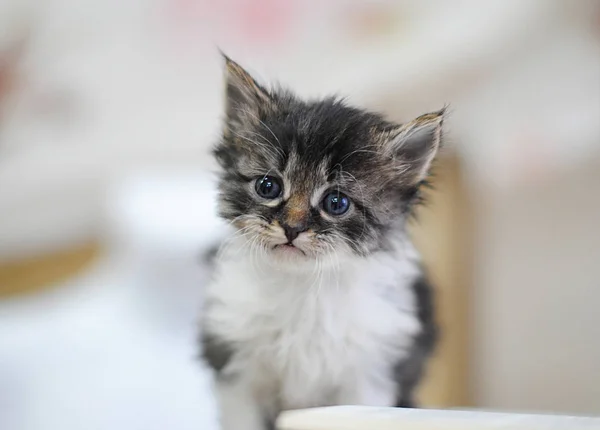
point(287, 252)
point(298, 257)
point(293, 257)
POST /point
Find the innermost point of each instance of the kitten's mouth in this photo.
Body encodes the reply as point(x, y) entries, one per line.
point(289, 248)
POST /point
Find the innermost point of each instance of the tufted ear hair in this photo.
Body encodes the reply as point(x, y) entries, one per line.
point(414, 145)
point(244, 97)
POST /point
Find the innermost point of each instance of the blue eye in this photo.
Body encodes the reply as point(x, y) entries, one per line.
point(336, 203)
point(268, 187)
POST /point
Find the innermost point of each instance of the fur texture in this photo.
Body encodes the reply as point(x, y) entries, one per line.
point(318, 297)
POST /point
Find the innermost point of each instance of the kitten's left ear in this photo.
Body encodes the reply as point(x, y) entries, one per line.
point(245, 98)
point(414, 145)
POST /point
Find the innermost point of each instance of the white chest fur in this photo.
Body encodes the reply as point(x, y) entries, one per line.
point(307, 338)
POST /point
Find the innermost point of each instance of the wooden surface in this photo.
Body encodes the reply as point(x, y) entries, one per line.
point(37, 273)
point(442, 234)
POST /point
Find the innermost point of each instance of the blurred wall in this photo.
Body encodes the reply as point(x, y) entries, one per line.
point(537, 276)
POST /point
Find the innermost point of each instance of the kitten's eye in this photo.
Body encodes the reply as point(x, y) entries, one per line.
point(268, 187)
point(336, 203)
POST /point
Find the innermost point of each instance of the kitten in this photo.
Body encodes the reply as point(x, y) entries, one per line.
point(318, 298)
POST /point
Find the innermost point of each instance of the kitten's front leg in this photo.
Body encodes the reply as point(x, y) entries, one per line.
point(239, 409)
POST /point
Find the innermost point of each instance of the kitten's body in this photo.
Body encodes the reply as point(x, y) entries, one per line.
point(303, 339)
point(336, 311)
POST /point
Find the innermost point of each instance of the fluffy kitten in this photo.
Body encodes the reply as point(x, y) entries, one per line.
point(318, 298)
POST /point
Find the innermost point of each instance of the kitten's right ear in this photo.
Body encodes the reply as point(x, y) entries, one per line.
point(244, 97)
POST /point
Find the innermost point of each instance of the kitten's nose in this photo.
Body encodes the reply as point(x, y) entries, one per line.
point(292, 232)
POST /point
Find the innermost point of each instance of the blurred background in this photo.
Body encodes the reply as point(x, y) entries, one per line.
point(108, 110)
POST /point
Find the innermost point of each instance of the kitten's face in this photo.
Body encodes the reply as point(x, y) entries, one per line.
point(306, 180)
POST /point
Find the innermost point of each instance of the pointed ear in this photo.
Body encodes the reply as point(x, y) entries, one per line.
point(244, 97)
point(414, 145)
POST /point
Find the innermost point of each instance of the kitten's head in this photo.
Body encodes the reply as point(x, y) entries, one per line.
point(308, 179)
